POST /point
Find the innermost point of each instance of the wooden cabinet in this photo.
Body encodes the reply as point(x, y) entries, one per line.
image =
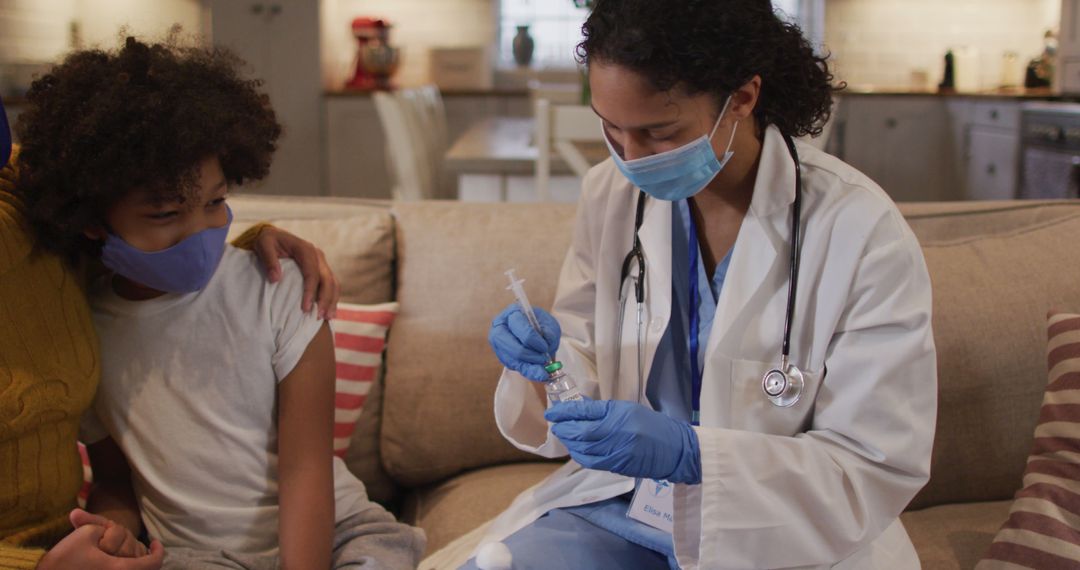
point(993, 166)
point(356, 160)
point(990, 135)
point(279, 40)
point(927, 148)
point(902, 143)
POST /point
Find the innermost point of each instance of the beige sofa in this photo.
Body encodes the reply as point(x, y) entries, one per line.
point(427, 442)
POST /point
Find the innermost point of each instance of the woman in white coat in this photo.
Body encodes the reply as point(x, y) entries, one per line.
point(709, 251)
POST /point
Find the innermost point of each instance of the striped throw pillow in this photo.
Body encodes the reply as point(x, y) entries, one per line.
point(359, 339)
point(1043, 529)
point(84, 491)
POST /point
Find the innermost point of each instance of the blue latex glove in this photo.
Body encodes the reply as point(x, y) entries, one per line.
point(518, 346)
point(627, 438)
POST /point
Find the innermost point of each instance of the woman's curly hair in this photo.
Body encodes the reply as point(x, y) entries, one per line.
point(102, 124)
point(708, 46)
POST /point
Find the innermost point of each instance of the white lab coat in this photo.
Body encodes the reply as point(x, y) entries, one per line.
point(820, 484)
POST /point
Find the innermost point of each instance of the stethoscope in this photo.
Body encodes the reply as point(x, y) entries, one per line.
point(783, 385)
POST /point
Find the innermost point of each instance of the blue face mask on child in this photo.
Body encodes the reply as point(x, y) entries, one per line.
point(680, 173)
point(183, 268)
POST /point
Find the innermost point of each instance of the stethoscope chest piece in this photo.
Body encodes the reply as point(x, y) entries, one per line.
point(783, 386)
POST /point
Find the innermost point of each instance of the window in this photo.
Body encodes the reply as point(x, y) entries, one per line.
point(555, 26)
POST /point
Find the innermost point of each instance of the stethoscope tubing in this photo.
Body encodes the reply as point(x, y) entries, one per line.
point(637, 254)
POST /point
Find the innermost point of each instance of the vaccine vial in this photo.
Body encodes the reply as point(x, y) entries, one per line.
point(560, 386)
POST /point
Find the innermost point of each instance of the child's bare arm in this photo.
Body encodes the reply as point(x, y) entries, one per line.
point(305, 456)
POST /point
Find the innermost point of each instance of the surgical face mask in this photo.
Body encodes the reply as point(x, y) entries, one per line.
point(183, 268)
point(679, 173)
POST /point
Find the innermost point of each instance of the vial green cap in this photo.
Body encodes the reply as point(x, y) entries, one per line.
point(553, 367)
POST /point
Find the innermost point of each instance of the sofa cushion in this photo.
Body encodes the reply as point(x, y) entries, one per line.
point(453, 508)
point(954, 537)
point(943, 221)
point(1043, 529)
point(441, 373)
point(991, 294)
point(357, 238)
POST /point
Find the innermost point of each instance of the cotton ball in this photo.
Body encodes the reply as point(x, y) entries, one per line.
point(494, 556)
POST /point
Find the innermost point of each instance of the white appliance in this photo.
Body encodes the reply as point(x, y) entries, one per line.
point(1051, 151)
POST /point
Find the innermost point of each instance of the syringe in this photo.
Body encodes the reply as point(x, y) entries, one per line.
point(560, 386)
point(526, 306)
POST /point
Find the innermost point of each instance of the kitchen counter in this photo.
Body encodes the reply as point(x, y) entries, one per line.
point(1010, 94)
point(1043, 94)
point(478, 92)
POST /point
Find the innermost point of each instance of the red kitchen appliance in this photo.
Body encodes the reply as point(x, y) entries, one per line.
point(376, 61)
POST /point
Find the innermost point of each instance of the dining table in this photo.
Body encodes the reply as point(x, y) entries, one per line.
point(495, 150)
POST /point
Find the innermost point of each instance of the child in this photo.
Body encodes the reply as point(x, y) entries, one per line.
point(214, 417)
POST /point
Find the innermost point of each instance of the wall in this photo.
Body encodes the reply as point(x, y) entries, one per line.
point(101, 20)
point(34, 30)
point(882, 43)
point(419, 25)
point(34, 33)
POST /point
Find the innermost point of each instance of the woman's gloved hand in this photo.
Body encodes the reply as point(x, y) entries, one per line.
point(518, 346)
point(627, 438)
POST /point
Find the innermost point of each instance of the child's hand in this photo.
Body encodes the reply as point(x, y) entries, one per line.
point(79, 550)
point(116, 540)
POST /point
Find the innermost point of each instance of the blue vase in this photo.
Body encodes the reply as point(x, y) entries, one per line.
point(524, 46)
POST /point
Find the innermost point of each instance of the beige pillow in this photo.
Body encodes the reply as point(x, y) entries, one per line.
point(359, 249)
point(991, 293)
point(1043, 529)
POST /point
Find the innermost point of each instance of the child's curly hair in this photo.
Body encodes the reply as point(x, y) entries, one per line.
point(105, 123)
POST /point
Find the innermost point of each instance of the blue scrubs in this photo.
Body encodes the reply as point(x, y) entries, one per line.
point(600, 535)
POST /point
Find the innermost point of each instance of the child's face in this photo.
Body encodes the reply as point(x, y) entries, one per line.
point(153, 227)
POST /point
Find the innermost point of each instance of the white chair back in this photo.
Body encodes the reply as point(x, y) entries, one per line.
point(554, 93)
point(436, 112)
point(558, 127)
point(414, 155)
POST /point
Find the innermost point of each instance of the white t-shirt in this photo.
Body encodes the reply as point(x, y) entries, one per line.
point(188, 391)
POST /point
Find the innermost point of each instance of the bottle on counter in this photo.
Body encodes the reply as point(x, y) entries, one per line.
point(948, 81)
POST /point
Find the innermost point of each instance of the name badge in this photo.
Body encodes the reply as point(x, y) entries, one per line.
point(654, 505)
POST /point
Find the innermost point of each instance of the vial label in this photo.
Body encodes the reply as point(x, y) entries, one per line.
point(570, 395)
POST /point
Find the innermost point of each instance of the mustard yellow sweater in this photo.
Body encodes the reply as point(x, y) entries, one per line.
point(49, 370)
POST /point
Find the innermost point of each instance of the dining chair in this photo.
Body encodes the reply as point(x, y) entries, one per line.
point(408, 154)
point(558, 128)
point(436, 113)
point(554, 93)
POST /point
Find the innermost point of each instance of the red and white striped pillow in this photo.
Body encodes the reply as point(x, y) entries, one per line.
point(1043, 530)
point(359, 339)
